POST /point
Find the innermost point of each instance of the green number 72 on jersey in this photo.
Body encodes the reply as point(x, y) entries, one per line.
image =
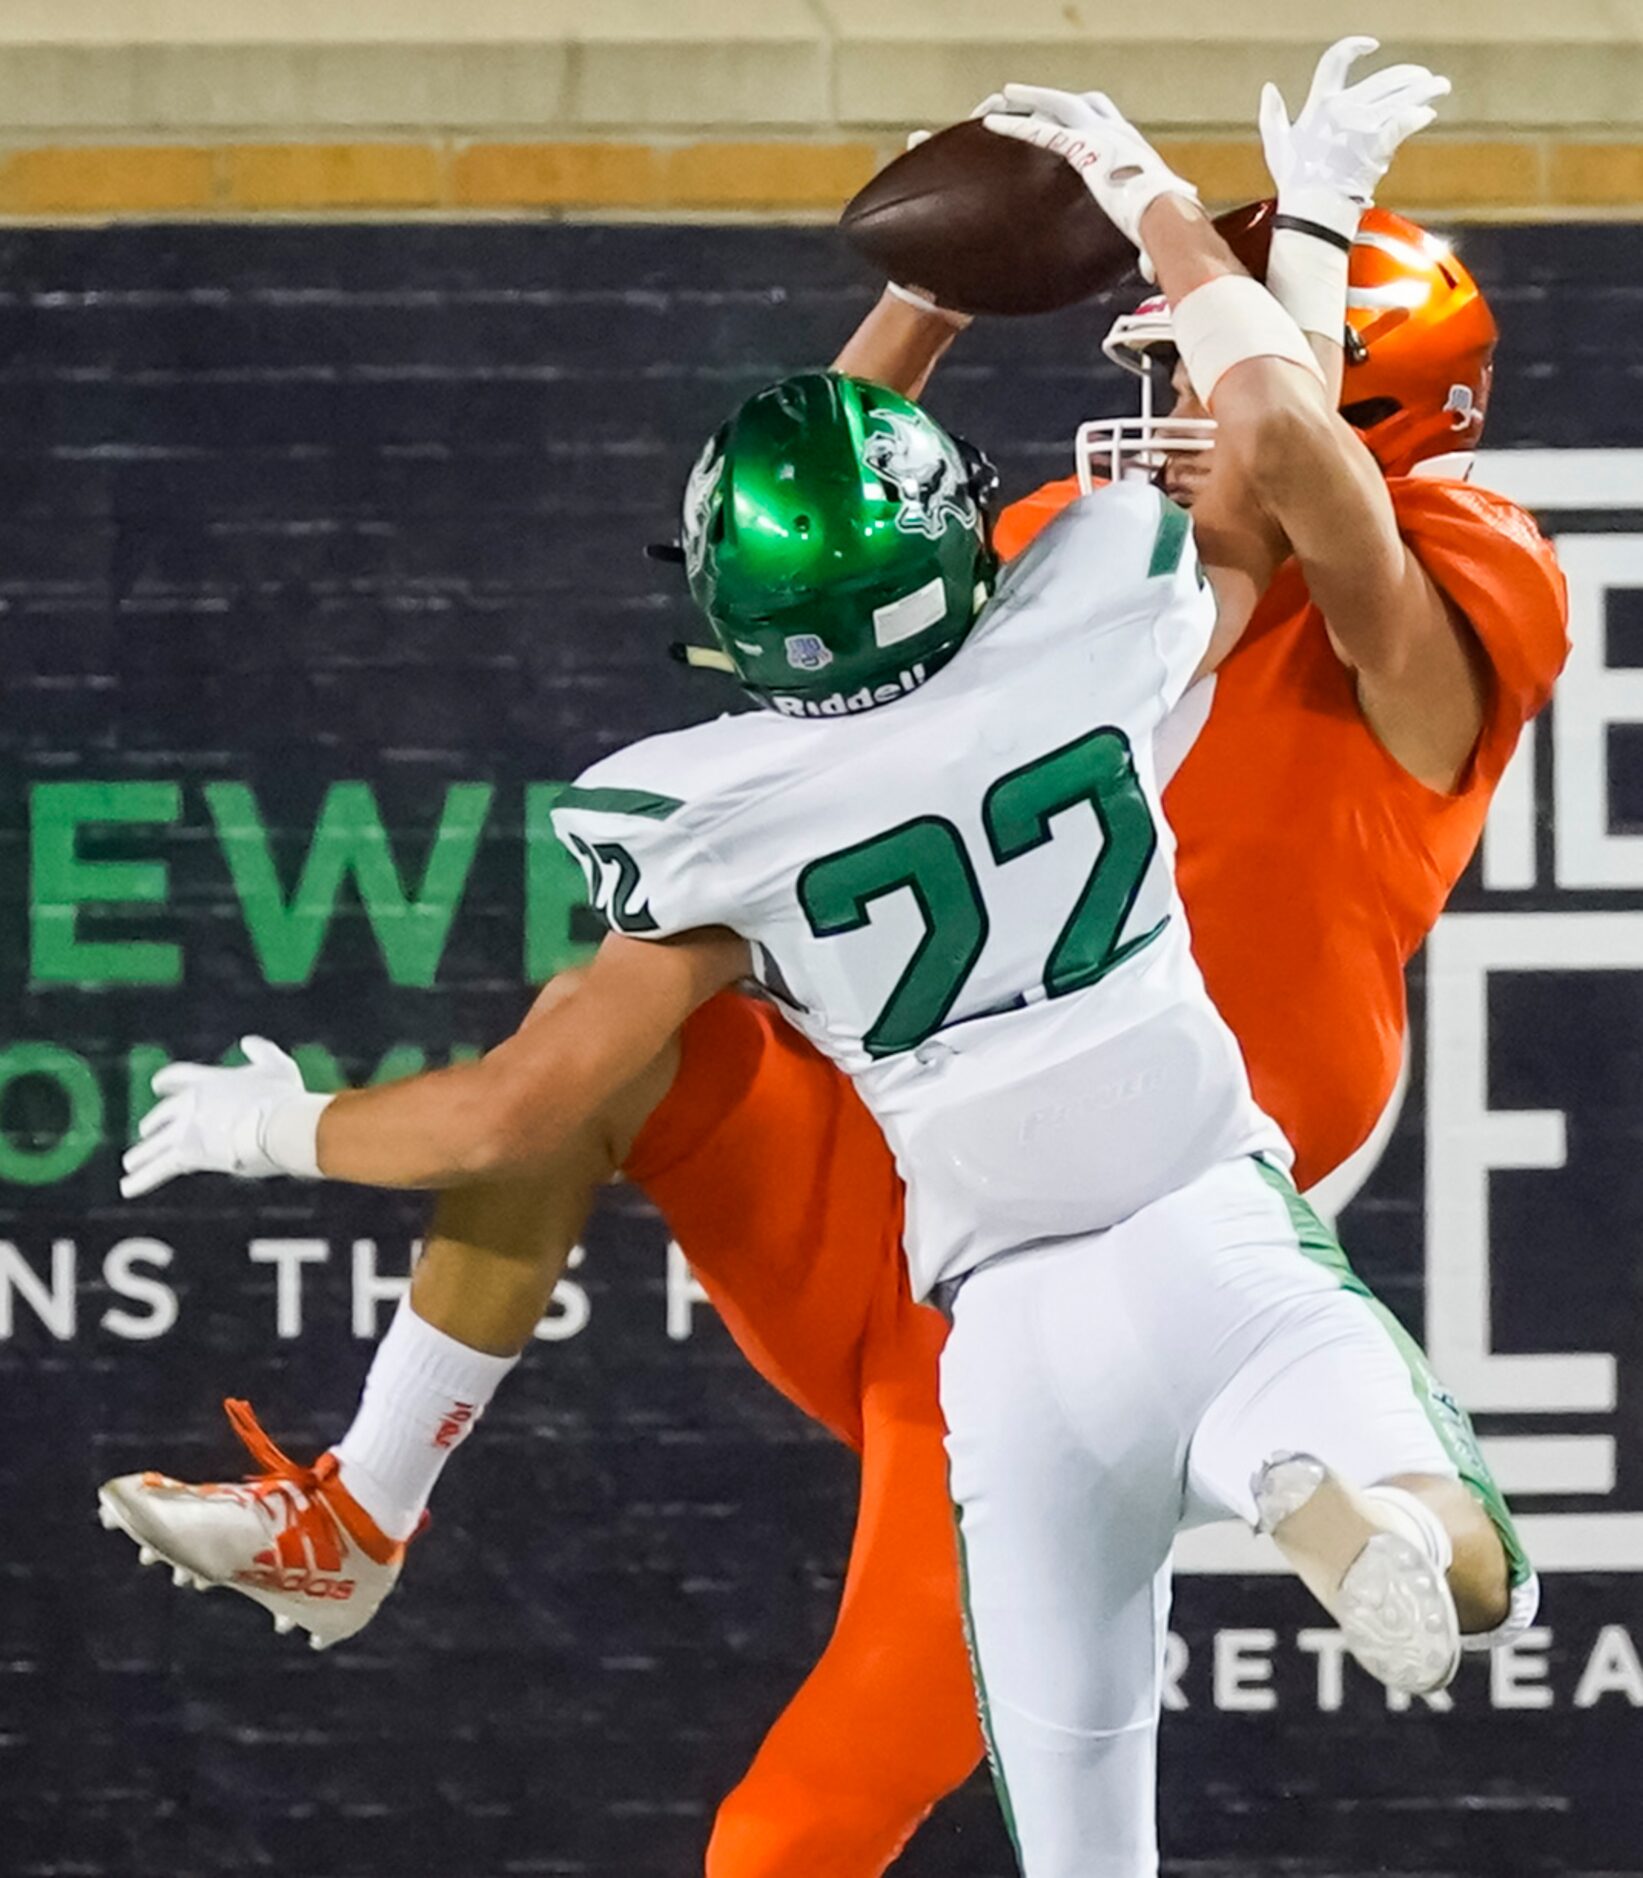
point(927, 858)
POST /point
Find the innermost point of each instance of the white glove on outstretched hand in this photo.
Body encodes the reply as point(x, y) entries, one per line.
point(1116, 163)
point(1328, 162)
point(254, 1121)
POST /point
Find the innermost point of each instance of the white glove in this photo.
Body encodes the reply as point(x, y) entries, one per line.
point(253, 1122)
point(1329, 161)
point(1115, 162)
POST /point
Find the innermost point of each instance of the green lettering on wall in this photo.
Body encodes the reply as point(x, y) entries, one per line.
point(61, 882)
point(554, 889)
point(143, 1062)
point(323, 1074)
point(31, 1166)
point(349, 840)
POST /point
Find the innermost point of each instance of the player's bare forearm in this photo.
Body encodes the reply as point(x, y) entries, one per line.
point(532, 1095)
point(1184, 247)
point(1331, 357)
point(899, 345)
point(1287, 453)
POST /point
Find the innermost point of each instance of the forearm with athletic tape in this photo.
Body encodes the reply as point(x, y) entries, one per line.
point(1307, 274)
point(1230, 320)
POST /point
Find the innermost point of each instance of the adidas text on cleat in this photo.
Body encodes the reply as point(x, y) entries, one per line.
point(1389, 1595)
point(291, 1538)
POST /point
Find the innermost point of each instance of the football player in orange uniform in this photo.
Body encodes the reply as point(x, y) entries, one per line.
point(1326, 798)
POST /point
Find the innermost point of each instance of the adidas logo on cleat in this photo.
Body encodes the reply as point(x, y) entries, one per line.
point(296, 1580)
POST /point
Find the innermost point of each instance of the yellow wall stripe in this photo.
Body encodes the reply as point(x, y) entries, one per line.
point(331, 176)
point(1513, 176)
point(146, 180)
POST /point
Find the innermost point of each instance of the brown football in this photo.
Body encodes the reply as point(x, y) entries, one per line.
point(987, 225)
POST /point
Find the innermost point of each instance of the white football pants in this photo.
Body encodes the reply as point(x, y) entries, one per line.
point(1100, 1394)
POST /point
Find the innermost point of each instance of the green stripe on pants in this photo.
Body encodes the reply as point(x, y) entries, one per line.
point(1449, 1420)
point(994, 1761)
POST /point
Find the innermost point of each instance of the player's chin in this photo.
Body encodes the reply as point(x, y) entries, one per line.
point(1182, 483)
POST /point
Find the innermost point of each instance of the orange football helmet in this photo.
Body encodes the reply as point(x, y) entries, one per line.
point(1420, 346)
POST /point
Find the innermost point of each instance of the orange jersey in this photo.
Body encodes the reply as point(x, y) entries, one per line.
point(779, 1187)
point(1311, 863)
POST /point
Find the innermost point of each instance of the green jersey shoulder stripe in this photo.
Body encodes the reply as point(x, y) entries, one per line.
point(620, 802)
point(1168, 543)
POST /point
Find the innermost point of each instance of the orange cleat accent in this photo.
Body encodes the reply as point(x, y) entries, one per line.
point(291, 1537)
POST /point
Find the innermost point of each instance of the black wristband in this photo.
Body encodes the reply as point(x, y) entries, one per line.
point(1299, 225)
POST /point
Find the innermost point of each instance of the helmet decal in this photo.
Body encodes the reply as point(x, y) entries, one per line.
point(700, 490)
point(807, 652)
point(1390, 296)
point(1462, 405)
point(912, 461)
point(903, 618)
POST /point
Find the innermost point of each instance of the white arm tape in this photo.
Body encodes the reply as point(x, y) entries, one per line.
point(1307, 278)
point(1232, 319)
point(290, 1136)
point(910, 296)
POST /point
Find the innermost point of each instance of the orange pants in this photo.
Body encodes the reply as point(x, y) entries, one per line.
point(779, 1187)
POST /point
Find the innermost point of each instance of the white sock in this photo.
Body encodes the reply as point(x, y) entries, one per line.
point(1411, 1518)
point(422, 1397)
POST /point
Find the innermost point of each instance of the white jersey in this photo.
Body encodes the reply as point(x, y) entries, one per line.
point(966, 897)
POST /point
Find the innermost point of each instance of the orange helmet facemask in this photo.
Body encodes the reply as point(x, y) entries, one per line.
point(1420, 346)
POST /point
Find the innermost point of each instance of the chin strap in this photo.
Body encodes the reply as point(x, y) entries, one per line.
point(701, 658)
point(1454, 466)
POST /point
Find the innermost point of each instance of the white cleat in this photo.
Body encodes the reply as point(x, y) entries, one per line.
point(292, 1539)
point(1387, 1593)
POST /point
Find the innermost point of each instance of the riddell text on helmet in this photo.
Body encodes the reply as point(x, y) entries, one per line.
point(844, 704)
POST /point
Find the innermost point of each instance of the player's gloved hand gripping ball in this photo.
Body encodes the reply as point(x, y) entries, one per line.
point(1110, 157)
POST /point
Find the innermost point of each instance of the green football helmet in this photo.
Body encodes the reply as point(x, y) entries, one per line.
point(836, 538)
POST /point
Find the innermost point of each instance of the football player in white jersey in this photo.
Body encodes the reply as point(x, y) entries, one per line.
point(941, 849)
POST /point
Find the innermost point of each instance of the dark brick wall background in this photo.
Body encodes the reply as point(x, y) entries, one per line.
point(285, 505)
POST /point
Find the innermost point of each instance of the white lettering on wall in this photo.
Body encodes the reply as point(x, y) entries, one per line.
point(53, 1304)
point(1591, 697)
point(288, 1256)
point(123, 1276)
point(568, 1308)
point(1466, 1140)
point(372, 1290)
point(684, 1293)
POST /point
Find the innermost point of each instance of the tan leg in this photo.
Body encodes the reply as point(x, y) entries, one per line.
point(495, 1250)
point(1479, 1578)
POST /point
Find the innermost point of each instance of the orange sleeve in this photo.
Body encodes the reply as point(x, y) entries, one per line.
point(1023, 521)
point(1491, 560)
